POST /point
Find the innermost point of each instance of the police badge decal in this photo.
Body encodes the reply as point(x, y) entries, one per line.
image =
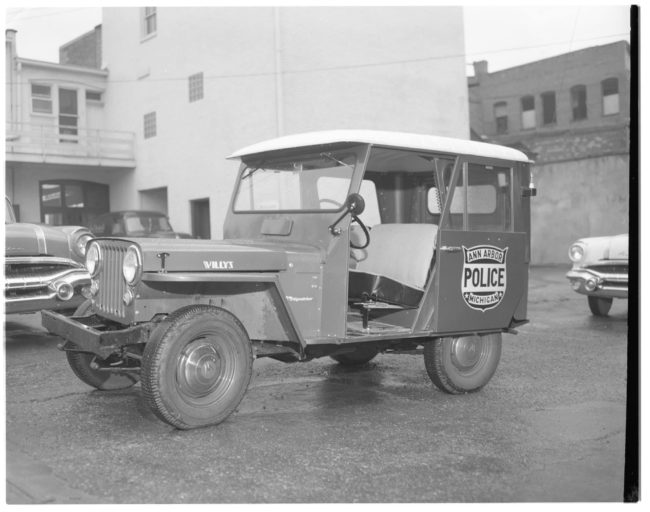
point(484, 276)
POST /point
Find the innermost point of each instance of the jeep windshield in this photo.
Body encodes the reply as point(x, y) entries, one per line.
point(313, 182)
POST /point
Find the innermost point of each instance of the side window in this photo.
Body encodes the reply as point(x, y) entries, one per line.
point(579, 102)
point(548, 107)
point(436, 194)
point(41, 99)
point(610, 96)
point(370, 216)
point(489, 198)
point(195, 84)
point(528, 112)
point(482, 199)
point(501, 116)
point(149, 21)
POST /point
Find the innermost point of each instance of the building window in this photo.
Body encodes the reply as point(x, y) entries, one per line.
point(548, 108)
point(94, 96)
point(149, 125)
point(610, 96)
point(149, 21)
point(528, 112)
point(72, 202)
point(579, 102)
point(41, 99)
point(501, 116)
point(196, 87)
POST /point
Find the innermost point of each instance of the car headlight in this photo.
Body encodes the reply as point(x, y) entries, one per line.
point(79, 242)
point(93, 259)
point(132, 265)
point(576, 252)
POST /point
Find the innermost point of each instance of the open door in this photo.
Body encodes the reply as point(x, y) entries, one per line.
point(481, 268)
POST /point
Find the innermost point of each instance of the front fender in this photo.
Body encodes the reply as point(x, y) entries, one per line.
point(256, 299)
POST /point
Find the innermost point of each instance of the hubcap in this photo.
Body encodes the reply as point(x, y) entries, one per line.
point(466, 351)
point(199, 369)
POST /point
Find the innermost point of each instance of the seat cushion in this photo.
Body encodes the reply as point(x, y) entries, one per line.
point(401, 252)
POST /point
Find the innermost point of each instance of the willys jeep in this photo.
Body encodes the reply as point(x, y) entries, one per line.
point(342, 244)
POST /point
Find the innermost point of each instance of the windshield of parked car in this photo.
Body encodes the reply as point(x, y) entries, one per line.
point(147, 224)
point(313, 182)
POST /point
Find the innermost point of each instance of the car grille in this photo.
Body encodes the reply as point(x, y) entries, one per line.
point(35, 270)
point(109, 299)
point(620, 268)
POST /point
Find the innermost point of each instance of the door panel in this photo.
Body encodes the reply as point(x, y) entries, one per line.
point(480, 280)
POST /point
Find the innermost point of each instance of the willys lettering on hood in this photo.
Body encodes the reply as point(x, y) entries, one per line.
point(208, 255)
point(23, 239)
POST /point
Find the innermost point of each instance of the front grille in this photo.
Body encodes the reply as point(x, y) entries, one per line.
point(109, 299)
point(611, 268)
point(35, 270)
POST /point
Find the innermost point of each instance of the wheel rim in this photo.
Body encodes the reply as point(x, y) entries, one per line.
point(468, 352)
point(205, 370)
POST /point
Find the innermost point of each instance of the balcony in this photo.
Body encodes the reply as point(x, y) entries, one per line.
point(55, 144)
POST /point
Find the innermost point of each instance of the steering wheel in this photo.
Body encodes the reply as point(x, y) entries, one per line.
point(365, 230)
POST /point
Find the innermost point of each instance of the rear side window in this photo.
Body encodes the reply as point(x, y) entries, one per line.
point(482, 199)
point(370, 216)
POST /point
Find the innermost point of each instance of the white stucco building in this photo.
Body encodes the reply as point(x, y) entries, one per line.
point(194, 84)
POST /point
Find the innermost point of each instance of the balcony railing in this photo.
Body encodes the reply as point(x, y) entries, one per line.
point(39, 142)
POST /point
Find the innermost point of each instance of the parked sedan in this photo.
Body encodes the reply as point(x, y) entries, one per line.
point(134, 223)
point(600, 270)
point(44, 265)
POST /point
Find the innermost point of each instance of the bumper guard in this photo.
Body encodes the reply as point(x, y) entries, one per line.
point(90, 334)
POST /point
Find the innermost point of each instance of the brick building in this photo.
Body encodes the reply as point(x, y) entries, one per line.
point(85, 50)
point(571, 113)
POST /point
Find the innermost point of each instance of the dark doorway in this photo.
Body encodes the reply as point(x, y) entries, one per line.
point(201, 218)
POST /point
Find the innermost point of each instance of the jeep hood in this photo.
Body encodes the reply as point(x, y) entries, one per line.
point(22, 239)
point(182, 255)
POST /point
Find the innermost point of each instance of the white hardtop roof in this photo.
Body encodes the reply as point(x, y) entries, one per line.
point(381, 138)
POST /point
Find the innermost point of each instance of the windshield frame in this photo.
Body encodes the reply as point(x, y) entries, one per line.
point(10, 214)
point(250, 165)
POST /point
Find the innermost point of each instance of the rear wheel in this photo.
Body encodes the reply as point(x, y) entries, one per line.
point(92, 370)
point(462, 364)
point(358, 357)
point(600, 306)
point(196, 372)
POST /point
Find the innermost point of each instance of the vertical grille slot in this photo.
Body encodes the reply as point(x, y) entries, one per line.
point(111, 282)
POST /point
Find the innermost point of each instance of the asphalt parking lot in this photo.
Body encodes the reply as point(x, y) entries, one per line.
point(550, 426)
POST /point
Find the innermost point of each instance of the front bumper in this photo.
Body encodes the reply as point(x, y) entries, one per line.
point(598, 284)
point(92, 334)
point(56, 291)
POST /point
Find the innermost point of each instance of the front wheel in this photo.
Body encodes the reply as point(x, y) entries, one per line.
point(600, 306)
point(462, 364)
point(196, 372)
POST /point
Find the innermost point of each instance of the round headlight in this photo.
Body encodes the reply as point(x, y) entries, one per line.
point(93, 259)
point(132, 265)
point(80, 239)
point(576, 252)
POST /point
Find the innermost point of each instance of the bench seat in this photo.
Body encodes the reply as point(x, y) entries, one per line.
point(395, 266)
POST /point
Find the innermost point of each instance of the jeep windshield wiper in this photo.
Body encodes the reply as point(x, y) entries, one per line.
point(252, 171)
point(334, 159)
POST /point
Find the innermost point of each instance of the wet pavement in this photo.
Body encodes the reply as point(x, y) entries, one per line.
point(550, 426)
